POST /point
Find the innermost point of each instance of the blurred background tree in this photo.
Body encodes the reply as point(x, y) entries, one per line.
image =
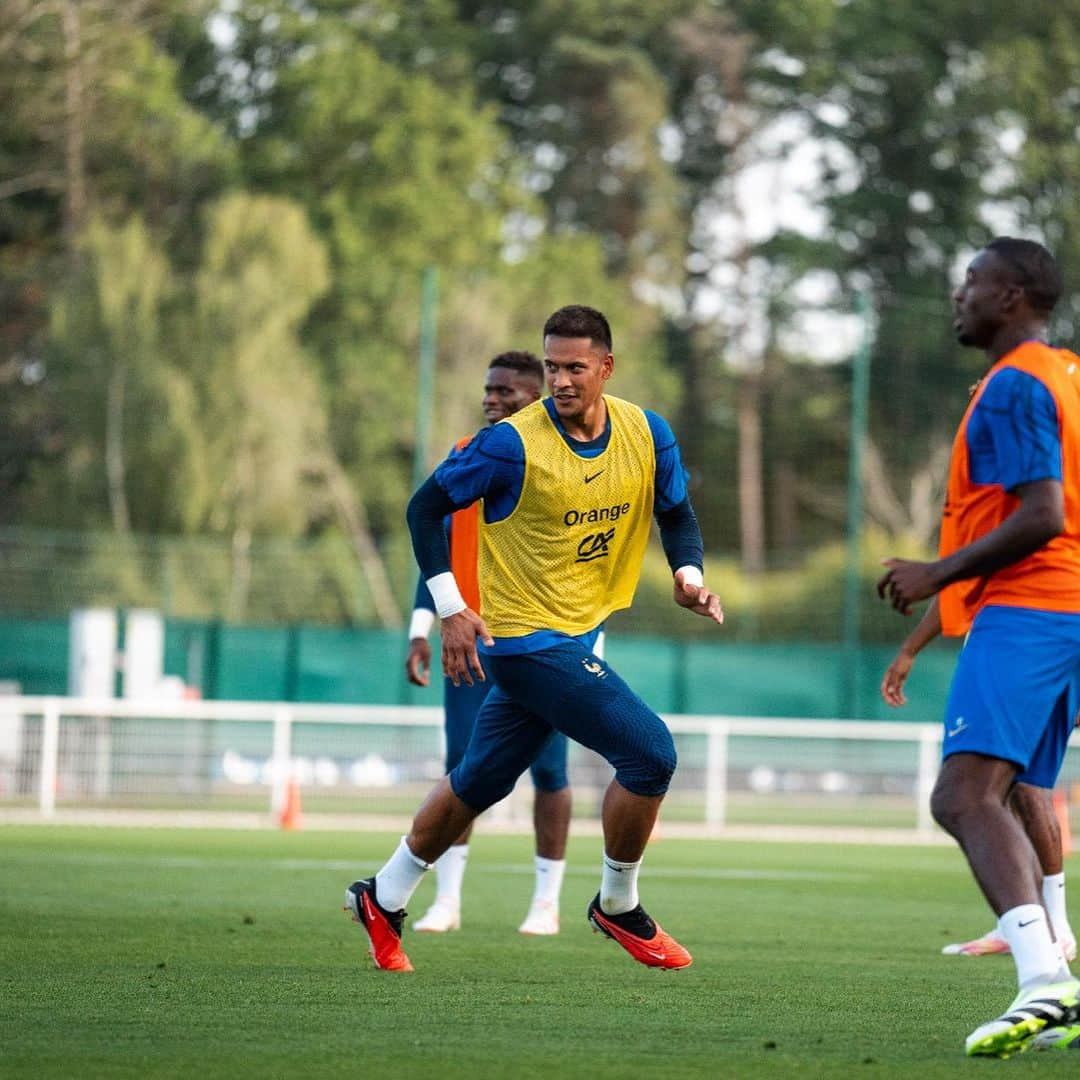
point(215, 216)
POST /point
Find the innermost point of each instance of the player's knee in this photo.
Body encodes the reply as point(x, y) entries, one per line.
point(947, 808)
point(549, 777)
point(479, 792)
point(652, 770)
point(662, 761)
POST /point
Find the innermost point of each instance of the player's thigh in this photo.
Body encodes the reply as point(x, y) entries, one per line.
point(506, 738)
point(1049, 754)
point(1012, 673)
point(585, 698)
point(460, 706)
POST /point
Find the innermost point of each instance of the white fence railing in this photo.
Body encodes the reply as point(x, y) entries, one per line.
point(104, 753)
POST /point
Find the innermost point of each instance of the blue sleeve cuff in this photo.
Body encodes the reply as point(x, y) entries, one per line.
point(422, 597)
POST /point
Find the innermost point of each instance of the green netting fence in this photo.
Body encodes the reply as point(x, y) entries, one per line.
point(325, 664)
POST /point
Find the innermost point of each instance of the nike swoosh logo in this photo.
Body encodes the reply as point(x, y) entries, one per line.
point(656, 955)
point(1021, 925)
point(590, 479)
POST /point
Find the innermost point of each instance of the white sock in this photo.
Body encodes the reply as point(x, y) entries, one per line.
point(397, 880)
point(449, 870)
point(1038, 959)
point(549, 875)
point(1053, 893)
point(618, 886)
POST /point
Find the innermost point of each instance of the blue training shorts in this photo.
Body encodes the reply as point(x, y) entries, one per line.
point(1016, 690)
point(562, 689)
point(460, 706)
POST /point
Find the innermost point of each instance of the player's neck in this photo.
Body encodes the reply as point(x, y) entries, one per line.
point(1009, 337)
point(590, 425)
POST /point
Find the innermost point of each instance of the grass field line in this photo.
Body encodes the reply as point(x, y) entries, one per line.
point(199, 862)
point(223, 819)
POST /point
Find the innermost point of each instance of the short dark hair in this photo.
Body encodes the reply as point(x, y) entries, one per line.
point(1033, 268)
point(577, 320)
point(519, 360)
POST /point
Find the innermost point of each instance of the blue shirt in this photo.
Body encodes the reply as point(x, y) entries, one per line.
point(1012, 433)
point(492, 467)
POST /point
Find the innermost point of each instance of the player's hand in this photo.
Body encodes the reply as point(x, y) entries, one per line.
point(418, 662)
point(907, 582)
point(460, 659)
point(698, 599)
point(892, 682)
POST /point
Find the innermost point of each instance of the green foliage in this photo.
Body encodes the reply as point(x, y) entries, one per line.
point(47, 574)
point(214, 220)
point(431, 188)
point(803, 603)
point(257, 398)
point(227, 407)
point(1029, 95)
point(106, 342)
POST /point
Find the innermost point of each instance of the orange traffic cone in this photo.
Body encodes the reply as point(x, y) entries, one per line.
point(290, 816)
point(1061, 812)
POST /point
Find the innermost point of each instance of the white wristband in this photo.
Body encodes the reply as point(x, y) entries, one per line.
point(446, 594)
point(421, 623)
point(692, 575)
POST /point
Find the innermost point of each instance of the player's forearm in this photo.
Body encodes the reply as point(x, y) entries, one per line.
point(1037, 520)
point(427, 508)
point(422, 597)
point(927, 628)
point(680, 536)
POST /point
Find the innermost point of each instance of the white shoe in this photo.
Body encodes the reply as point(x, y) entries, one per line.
point(442, 916)
point(993, 944)
point(1056, 1038)
point(990, 944)
point(542, 920)
point(1033, 1011)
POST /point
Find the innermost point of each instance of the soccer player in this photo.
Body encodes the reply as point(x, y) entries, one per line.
point(570, 485)
point(514, 380)
point(1008, 576)
point(1033, 806)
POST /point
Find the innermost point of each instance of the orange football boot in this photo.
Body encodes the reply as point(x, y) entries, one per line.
point(642, 938)
point(383, 927)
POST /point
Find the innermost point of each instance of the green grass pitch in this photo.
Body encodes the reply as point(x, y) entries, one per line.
point(158, 953)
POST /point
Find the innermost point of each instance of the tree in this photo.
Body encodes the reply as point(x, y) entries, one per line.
point(901, 160)
point(1028, 95)
point(93, 129)
point(396, 173)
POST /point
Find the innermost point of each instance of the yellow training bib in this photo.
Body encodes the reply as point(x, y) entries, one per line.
point(570, 552)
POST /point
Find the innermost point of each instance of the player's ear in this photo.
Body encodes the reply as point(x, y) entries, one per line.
point(607, 368)
point(1012, 295)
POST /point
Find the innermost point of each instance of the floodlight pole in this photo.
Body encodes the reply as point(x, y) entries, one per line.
point(860, 408)
point(425, 380)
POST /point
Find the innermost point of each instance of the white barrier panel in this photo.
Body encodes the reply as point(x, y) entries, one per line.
point(107, 753)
